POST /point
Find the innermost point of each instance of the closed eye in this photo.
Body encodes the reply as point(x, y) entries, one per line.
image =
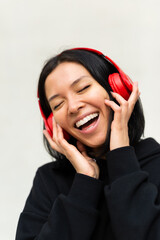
point(84, 88)
point(55, 107)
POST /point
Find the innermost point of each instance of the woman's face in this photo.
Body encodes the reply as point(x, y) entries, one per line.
point(77, 103)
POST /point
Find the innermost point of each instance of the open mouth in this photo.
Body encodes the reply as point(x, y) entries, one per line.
point(87, 122)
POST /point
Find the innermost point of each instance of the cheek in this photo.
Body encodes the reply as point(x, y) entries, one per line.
point(59, 119)
point(98, 100)
point(99, 94)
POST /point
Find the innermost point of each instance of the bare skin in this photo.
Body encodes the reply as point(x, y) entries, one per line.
point(119, 135)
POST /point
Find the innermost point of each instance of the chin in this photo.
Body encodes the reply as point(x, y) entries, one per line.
point(97, 143)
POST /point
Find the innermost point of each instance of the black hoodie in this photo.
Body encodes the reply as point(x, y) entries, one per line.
point(123, 204)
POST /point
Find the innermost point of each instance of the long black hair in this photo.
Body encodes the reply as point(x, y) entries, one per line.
point(100, 68)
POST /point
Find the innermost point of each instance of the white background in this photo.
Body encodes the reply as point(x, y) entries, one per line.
point(32, 31)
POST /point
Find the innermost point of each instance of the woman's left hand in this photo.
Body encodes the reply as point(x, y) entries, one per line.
point(119, 126)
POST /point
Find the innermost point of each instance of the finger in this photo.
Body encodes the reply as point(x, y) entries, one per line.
point(112, 104)
point(59, 132)
point(82, 148)
point(119, 98)
point(135, 93)
point(133, 97)
point(124, 105)
point(119, 112)
point(51, 142)
point(60, 137)
point(54, 129)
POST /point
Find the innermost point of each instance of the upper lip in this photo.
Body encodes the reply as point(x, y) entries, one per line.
point(83, 116)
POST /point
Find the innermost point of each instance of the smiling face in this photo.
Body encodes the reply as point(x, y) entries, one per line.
point(77, 103)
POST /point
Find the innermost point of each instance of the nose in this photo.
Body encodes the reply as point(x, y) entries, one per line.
point(74, 105)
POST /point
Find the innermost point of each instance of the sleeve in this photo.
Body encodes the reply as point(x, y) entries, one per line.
point(71, 217)
point(133, 202)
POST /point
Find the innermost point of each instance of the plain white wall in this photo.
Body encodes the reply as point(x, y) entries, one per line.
point(32, 31)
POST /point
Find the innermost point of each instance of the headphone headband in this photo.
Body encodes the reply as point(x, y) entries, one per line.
point(126, 81)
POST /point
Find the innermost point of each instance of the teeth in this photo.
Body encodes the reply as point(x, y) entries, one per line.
point(86, 119)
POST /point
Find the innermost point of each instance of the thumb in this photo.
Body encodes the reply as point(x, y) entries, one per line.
point(81, 148)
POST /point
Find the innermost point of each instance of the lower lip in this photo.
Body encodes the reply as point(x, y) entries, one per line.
point(91, 128)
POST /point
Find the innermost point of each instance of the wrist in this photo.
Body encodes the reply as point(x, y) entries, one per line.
point(119, 139)
point(119, 146)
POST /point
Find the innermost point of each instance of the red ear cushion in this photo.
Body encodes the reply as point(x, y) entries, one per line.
point(124, 88)
point(49, 127)
point(49, 124)
point(126, 81)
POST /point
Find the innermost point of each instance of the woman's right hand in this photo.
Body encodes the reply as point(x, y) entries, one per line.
point(78, 157)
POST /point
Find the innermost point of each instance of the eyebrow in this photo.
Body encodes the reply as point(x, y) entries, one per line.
point(73, 83)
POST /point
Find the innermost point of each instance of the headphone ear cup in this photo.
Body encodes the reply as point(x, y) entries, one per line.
point(49, 127)
point(119, 85)
point(49, 124)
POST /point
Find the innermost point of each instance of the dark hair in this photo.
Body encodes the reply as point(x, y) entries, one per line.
point(100, 68)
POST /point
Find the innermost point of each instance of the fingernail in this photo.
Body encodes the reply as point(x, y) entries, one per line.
point(58, 125)
point(53, 119)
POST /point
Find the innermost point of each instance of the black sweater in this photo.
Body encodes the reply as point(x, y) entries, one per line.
point(123, 204)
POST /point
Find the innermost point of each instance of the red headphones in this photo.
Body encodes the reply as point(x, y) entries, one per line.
point(119, 82)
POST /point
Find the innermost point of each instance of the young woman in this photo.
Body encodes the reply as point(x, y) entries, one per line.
point(104, 181)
